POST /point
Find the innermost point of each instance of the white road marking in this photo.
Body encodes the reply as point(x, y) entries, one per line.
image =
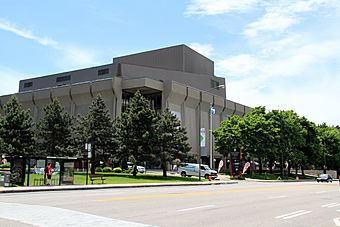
point(38, 215)
point(284, 215)
point(293, 214)
point(195, 208)
point(331, 205)
point(320, 192)
point(337, 221)
point(278, 197)
point(299, 214)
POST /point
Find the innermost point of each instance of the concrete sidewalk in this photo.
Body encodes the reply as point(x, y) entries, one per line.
point(106, 186)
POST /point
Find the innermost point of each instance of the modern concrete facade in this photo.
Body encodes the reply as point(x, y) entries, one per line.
point(175, 77)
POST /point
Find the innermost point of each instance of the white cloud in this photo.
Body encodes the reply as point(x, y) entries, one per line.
point(9, 81)
point(71, 55)
point(289, 58)
point(304, 78)
point(239, 65)
point(27, 34)
point(215, 7)
point(204, 49)
point(271, 21)
point(281, 15)
point(317, 101)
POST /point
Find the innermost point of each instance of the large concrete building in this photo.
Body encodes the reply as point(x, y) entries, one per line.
point(176, 77)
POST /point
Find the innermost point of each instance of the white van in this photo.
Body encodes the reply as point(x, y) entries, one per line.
point(191, 169)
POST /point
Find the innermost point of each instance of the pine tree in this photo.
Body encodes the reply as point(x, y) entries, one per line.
point(96, 128)
point(170, 140)
point(16, 129)
point(55, 131)
point(134, 130)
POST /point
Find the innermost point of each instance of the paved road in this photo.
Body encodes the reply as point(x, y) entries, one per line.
point(243, 204)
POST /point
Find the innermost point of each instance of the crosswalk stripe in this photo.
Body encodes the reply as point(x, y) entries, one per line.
point(284, 215)
point(39, 215)
point(295, 215)
point(329, 205)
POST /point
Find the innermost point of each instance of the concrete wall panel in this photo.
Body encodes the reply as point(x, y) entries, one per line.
point(247, 109)
point(239, 110)
point(191, 127)
point(231, 108)
point(219, 104)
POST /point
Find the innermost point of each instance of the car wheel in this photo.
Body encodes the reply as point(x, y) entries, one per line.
point(318, 181)
point(206, 176)
point(183, 174)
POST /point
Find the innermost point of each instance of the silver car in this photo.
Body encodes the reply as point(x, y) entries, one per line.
point(324, 177)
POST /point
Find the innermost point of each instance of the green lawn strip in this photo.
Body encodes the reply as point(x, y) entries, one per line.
point(113, 178)
point(276, 176)
point(123, 178)
point(33, 176)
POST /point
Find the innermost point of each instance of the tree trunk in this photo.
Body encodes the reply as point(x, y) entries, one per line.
point(296, 170)
point(134, 173)
point(302, 170)
point(93, 159)
point(164, 169)
point(260, 165)
point(270, 166)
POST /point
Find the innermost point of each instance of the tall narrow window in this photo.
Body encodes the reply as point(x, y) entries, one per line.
point(63, 78)
point(103, 71)
point(28, 84)
point(214, 84)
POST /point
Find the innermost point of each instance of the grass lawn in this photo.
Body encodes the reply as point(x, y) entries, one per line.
point(116, 178)
point(268, 176)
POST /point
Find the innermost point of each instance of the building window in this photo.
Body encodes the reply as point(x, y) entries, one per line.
point(214, 84)
point(63, 78)
point(103, 71)
point(28, 84)
point(155, 101)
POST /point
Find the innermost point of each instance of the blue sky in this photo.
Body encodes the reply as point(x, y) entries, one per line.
point(279, 54)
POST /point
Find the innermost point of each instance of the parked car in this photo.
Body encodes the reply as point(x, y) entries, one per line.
point(140, 169)
point(324, 177)
point(191, 169)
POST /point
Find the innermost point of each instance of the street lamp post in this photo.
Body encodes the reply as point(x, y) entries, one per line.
point(212, 112)
point(199, 130)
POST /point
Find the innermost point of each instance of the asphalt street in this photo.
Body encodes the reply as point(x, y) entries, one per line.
point(243, 204)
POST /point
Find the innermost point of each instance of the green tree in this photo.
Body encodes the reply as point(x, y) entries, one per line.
point(16, 129)
point(330, 142)
point(169, 139)
point(291, 137)
point(96, 128)
point(229, 135)
point(134, 130)
point(259, 134)
point(312, 147)
point(54, 131)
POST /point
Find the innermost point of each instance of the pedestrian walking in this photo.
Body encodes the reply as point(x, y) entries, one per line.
point(48, 172)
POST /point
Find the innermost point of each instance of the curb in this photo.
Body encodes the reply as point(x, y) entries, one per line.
point(107, 186)
point(278, 181)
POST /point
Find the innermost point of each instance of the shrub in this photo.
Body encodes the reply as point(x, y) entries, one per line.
point(6, 165)
point(127, 170)
point(107, 169)
point(99, 169)
point(237, 178)
point(117, 170)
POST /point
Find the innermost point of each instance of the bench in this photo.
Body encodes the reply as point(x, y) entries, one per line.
point(97, 177)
